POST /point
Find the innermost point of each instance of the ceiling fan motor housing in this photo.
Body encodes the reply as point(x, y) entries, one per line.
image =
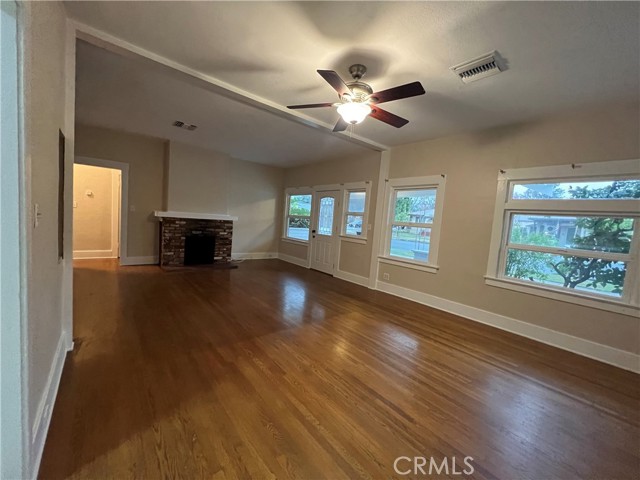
point(360, 91)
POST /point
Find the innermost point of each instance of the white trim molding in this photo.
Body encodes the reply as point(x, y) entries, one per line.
point(254, 256)
point(352, 277)
point(42, 417)
point(143, 260)
point(408, 264)
point(85, 254)
point(195, 215)
point(580, 346)
point(121, 47)
point(301, 262)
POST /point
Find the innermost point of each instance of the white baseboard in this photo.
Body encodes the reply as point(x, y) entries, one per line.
point(148, 260)
point(302, 262)
point(254, 256)
point(45, 407)
point(78, 254)
point(352, 277)
point(586, 348)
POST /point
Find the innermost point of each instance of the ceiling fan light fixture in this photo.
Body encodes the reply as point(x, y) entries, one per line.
point(354, 113)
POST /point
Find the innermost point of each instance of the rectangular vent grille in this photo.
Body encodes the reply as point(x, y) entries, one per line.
point(184, 126)
point(478, 68)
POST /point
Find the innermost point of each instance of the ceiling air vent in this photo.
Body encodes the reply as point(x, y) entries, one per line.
point(184, 126)
point(478, 68)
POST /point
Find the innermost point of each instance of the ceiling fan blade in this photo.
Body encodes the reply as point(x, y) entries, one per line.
point(396, 93)
point(335, 81)
point(310, 105)
point(388, 117)
point(341, 125)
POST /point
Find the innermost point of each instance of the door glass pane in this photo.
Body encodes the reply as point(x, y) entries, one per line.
point(298, 227)
point(581, 190)
point(415, 206)
point(356, 202)
point(601, 234)
point(325, 216)
point(300, 205)
point(354, 225)
point(410, 242)
point(571, 272)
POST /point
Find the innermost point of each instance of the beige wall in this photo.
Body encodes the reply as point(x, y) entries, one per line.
point(471, 163)
point(44, 113)
point(205, 181)
point(354, 258)
point(198, 180)
point(255, 197)
point(93, 214)
point(146, 158)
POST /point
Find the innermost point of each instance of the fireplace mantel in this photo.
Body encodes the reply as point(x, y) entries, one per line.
point(194, 215)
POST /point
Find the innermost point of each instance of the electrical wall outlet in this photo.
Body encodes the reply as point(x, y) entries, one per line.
point(385, 276)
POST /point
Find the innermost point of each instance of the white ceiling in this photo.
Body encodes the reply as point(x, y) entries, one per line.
point(560, 56)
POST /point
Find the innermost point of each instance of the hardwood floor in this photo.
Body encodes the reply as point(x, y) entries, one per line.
point(275, 371)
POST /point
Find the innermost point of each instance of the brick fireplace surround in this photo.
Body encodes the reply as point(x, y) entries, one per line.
point(175, 229)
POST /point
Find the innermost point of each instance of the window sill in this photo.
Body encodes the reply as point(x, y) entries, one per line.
point(295, 242)
point(423, 267)
point(578, 298)
point(354, 239)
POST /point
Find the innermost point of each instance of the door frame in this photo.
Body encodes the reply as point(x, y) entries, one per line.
point(124, 196)
point(315, 218)
point(114, 237)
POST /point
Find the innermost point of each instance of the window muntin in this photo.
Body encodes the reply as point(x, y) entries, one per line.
point(355, 212)
point(413, 219)
point(298, 219)
point(577, 235)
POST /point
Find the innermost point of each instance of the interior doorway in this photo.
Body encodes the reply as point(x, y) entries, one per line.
point(97, 197)
point(324, 233)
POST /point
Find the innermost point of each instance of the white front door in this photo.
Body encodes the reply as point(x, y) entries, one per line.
point(324, 232)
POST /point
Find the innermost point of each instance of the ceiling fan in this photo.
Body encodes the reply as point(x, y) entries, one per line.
point(358, 100)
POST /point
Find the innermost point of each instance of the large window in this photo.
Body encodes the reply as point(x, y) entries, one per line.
point(414, 210)
point(298, 216)
point(571, 229)
point(354, 218)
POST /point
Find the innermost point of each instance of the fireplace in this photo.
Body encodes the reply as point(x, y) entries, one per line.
point(199, 249)
point(195, 239)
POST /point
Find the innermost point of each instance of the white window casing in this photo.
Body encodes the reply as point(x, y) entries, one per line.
point(506, 207)
point(393, 186)
point(288, 193)
point(347, 189)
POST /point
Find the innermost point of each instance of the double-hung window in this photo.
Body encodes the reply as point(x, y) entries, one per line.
point(354, 218)
point(570, 232)
point(298, 216)
point(414, 213)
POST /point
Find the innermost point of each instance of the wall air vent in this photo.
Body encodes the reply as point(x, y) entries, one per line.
point(184, 126)
point(478, 68)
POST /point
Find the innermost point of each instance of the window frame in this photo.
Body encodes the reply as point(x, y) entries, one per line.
point(287, 200)
point(349, 188)
point(506, 206)
point(435, 182)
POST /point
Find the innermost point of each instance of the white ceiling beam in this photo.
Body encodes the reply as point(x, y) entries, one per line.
point(121, 47)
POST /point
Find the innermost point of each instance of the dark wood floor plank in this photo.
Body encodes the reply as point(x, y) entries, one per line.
point(274, 371)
